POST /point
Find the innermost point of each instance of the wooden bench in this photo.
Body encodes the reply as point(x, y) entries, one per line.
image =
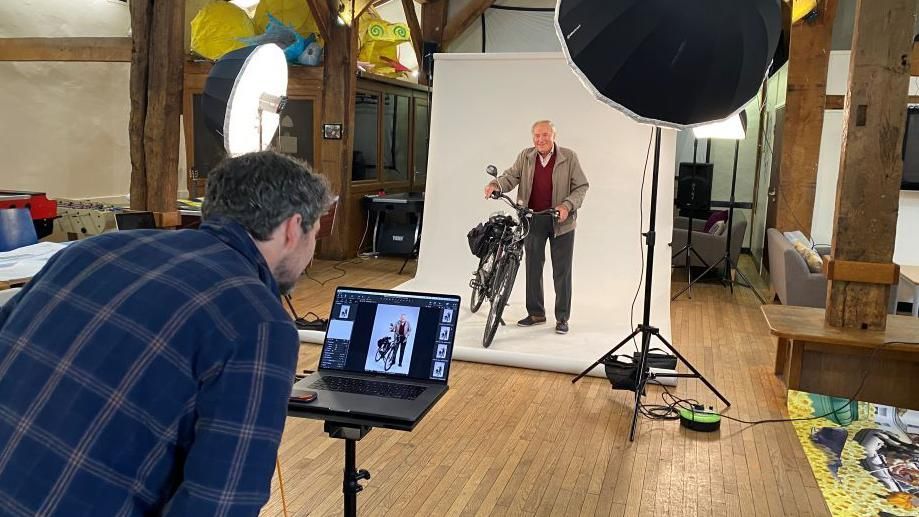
point(814, 357)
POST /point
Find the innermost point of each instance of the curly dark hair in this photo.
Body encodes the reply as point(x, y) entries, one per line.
point(260, 190)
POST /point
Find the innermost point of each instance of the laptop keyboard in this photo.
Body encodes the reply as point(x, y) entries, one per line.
point(368, 387)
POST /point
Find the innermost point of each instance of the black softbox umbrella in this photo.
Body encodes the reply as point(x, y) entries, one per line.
point(672, 63)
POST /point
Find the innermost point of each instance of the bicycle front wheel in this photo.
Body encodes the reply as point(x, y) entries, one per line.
point(390, 357)
point(479, 292)
point(504, 283)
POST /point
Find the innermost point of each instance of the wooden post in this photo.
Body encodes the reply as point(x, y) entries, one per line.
point(433, 23)
point(339, 87)
point(809, 55)
point(868, 192)
point(157, 28)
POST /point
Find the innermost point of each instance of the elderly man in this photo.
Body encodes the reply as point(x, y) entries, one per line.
point(401, 329)
point(148, 372)
point(548, 176)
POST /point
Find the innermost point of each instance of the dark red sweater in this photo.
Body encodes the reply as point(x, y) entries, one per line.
point(541, 195)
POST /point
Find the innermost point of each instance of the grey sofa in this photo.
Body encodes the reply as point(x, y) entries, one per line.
point(709, 247)
point(792, 281)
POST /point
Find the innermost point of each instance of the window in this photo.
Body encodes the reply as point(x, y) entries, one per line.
point(395, 137)
point(366, 118)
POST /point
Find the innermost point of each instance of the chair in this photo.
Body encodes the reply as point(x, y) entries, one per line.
point(16, 229)
point(709, 247)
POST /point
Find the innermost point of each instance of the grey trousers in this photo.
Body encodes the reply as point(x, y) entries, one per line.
point(562, 252)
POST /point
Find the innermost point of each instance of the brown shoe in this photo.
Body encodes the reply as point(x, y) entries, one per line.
point(529, 321)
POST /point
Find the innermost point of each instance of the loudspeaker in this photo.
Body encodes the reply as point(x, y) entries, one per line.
point(694, 186)
point(397, 236)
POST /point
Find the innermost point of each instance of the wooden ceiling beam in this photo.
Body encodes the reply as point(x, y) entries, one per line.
point(116, 50)
point(322, 13)
point(434, 21)
point(458, 23)
point(411, 17)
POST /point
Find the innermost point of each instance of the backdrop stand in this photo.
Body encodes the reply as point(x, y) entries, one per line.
point(645, 329)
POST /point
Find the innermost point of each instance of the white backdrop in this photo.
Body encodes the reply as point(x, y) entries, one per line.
point(483, 109)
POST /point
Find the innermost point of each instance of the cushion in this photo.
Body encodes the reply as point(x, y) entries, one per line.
point(813, 260)
point(798, 236)
point(718, 228)
point(721, 215)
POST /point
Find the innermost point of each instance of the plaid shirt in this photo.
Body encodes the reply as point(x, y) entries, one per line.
point(145, 372)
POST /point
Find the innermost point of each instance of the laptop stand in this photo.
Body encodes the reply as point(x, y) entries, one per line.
point(351, 434)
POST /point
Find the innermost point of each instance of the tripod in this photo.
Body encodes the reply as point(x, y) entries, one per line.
point(645, 329)
point(688, 249)
point(729, 265)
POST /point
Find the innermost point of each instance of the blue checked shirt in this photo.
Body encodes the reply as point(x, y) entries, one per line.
point(145, 372)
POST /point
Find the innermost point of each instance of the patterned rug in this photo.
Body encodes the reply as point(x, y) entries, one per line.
point(865, 456)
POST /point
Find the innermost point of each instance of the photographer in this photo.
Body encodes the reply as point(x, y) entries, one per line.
point(147, 372)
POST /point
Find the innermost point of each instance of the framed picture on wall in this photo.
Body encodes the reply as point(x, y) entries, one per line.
point(331, 131)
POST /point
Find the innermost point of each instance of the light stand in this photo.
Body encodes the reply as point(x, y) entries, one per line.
point(688, 249)
point(727, 278)
point(643, 372)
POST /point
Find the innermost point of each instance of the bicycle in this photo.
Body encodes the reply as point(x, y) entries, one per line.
point(386, 351)
point(494, 278)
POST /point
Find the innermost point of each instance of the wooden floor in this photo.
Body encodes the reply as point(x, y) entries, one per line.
point(506, 441)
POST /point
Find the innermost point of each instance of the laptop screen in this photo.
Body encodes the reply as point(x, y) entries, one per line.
point(135, 221)
point(390, 333)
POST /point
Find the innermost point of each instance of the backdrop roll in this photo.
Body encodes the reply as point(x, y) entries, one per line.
point(483, 108)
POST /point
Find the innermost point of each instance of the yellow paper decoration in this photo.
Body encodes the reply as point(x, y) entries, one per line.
point(801, 8)
point(218, 28)
point(295, 13)
point(380, 40)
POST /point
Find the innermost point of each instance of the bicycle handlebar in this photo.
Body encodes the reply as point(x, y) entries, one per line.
point(523, 211)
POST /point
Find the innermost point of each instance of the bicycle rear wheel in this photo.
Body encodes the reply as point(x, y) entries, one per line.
point(504, 283)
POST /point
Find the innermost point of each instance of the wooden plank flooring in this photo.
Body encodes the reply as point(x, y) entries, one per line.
point(507, 441)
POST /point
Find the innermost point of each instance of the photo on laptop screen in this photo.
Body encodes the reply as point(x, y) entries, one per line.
point(391, 333)
point(393, 328)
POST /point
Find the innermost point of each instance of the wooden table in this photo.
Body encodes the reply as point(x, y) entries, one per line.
point(910, 275)
point(817, 358)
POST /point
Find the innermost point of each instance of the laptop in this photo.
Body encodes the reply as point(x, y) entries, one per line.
point(386, 354)
point(134, 221)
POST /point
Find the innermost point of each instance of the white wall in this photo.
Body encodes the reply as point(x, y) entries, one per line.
point(65, 125)
point(476, 123)
point(906, 250)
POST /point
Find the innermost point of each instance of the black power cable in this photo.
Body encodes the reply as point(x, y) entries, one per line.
point(672, 404)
